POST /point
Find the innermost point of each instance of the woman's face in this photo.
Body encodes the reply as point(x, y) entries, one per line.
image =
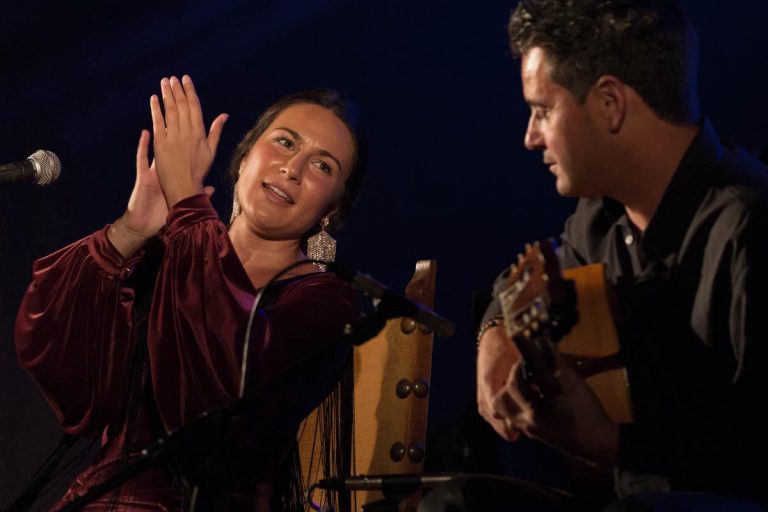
point(295, 172)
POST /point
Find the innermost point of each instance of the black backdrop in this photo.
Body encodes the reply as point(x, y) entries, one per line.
point(440, 96)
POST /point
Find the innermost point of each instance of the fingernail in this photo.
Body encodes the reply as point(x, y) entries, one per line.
point(174, 79)
point(164, 81)
point(186, 80)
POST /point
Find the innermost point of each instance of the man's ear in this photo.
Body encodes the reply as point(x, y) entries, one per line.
point(611, 95)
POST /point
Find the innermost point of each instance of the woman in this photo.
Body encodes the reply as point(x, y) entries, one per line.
point(129, 356)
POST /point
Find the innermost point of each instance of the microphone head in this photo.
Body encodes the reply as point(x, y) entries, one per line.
point(47, 165)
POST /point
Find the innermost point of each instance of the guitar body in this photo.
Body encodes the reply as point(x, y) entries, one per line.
point(594, 343)
point(571, 312)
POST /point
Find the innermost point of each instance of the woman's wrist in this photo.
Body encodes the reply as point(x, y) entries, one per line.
point(179, 193)
point(125, 239)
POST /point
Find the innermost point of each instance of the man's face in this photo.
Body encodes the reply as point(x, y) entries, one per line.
point(562, 128)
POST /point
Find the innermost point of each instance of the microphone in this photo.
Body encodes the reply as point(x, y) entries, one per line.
point(41, 168)
point(396, 484)
point(396, 304)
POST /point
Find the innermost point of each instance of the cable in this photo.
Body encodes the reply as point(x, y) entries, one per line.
point(312, 504)
point(257, 300)
point(32, 490)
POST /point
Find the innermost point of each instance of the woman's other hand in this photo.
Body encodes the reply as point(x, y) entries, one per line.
point(147, 209)
point(183, 151)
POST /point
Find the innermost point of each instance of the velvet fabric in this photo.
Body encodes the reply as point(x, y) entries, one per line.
point(112, 368)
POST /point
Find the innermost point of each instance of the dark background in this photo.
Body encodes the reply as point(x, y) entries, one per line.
point(449, 178)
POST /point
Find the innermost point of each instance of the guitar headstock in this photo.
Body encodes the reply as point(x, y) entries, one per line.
point(538, 301)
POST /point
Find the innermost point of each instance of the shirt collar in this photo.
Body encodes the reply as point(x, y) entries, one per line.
point(680, 201)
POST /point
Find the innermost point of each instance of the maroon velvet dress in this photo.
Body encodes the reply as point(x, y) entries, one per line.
point(78, 335)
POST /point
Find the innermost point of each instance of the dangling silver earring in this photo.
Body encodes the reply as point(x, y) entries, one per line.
point(235, 206)
point(322, 246)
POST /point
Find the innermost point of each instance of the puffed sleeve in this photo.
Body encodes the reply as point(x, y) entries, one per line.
point(200, 309)
point(73, 331)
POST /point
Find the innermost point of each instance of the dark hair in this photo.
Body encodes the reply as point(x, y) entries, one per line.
point(346, 112)
point(648, 44)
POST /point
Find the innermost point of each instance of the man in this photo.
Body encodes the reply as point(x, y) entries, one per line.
point(680, 220)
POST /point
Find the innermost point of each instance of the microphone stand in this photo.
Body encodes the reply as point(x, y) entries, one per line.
point(396, 487)
point(203, 470)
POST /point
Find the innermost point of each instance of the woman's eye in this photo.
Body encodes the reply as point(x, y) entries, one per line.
point(284, 141)
point(323, 167)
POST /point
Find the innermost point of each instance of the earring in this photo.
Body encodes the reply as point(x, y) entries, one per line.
point(235, 205)
point(322, 246)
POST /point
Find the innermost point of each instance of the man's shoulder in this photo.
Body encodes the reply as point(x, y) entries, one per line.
point(741, 178)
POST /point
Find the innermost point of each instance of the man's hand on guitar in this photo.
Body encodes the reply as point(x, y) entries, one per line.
point(572, 420)
point(495, 357)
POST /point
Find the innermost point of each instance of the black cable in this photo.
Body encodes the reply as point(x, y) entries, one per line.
point(312, 504)
point(316, 506)
point(257, 300)
point(30, 492)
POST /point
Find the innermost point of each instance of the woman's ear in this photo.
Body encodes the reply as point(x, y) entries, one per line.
point(611, 95)
point(332, 213)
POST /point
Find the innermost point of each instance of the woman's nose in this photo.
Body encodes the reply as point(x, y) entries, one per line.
point(292, 169)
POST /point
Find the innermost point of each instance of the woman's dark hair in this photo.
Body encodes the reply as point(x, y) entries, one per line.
point(648, 44)
point(346, 112)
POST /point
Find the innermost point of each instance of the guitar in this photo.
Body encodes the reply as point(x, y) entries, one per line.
point(541, 315)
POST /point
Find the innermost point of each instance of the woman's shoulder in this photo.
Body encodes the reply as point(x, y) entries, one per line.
point(321, 294)
point(316, 283)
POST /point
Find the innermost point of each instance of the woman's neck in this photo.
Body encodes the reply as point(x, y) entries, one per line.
point(263, 258)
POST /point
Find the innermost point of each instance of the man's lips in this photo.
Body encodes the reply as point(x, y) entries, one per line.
point(278, 192)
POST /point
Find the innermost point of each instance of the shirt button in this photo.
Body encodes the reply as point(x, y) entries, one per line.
point(629, 239)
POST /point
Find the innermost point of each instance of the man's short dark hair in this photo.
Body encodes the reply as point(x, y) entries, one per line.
point(648, 44)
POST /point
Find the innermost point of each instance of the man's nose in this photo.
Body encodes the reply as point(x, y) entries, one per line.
point(533, 139)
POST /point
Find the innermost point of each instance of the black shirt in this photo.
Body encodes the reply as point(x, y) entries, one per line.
point(693, 323)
